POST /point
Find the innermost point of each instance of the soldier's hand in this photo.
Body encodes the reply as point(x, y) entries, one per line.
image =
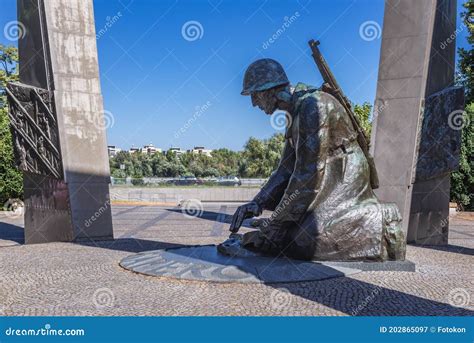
point(249, 210)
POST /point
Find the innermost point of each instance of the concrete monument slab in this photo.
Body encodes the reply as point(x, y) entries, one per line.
point(413, 146)
point(58, 124)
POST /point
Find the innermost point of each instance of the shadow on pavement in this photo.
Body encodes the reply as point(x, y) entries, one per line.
point(456, 249)
point(345, 294)
point(133, 245)
point(358, 298)
point(213, 216)
point(12, 232)
point(204, 214)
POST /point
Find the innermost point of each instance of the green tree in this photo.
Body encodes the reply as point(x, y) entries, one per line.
point(462, 181)
point(261, 157)
point(11, 179)
point(158, 161)
point(226, 162)
point(466, 56)
point(258, 159)
point(362, 112)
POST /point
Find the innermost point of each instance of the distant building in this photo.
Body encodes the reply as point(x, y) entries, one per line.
point(176, 150)
point(150, 149)
point(201, 151)
point(113, 150)
point(134, 150)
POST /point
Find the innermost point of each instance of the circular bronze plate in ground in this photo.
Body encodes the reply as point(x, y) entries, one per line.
point(204, 263)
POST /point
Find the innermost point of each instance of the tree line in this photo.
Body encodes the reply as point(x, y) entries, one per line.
point(258, 159)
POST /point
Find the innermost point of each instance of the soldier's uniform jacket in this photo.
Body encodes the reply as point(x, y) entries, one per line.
point(323, 204)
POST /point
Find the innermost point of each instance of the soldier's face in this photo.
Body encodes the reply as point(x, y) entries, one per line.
point(265, 100)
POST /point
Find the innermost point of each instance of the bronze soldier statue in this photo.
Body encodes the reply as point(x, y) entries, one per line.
point(323, 204)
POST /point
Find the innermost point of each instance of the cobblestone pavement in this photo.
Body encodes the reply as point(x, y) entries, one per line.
point(85, 279)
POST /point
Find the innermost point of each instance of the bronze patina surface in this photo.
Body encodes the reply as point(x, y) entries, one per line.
point(323, 204)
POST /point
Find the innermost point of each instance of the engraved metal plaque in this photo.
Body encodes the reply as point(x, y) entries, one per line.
point(440, 139)
point(34, 129)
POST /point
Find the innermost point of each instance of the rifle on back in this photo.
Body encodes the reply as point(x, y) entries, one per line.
point(336, 91)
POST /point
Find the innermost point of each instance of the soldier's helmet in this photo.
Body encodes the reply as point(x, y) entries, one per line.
point(263, 74)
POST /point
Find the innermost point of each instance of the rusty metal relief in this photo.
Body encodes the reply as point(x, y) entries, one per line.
point(34, 129)
point(439, 144)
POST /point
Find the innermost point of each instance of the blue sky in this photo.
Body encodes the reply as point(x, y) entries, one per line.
point(155, 76)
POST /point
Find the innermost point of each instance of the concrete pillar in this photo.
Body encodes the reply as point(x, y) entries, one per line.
point(58, 53)
point(417, 60)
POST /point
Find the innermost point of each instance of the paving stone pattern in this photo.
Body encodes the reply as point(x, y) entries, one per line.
point(86, 279)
